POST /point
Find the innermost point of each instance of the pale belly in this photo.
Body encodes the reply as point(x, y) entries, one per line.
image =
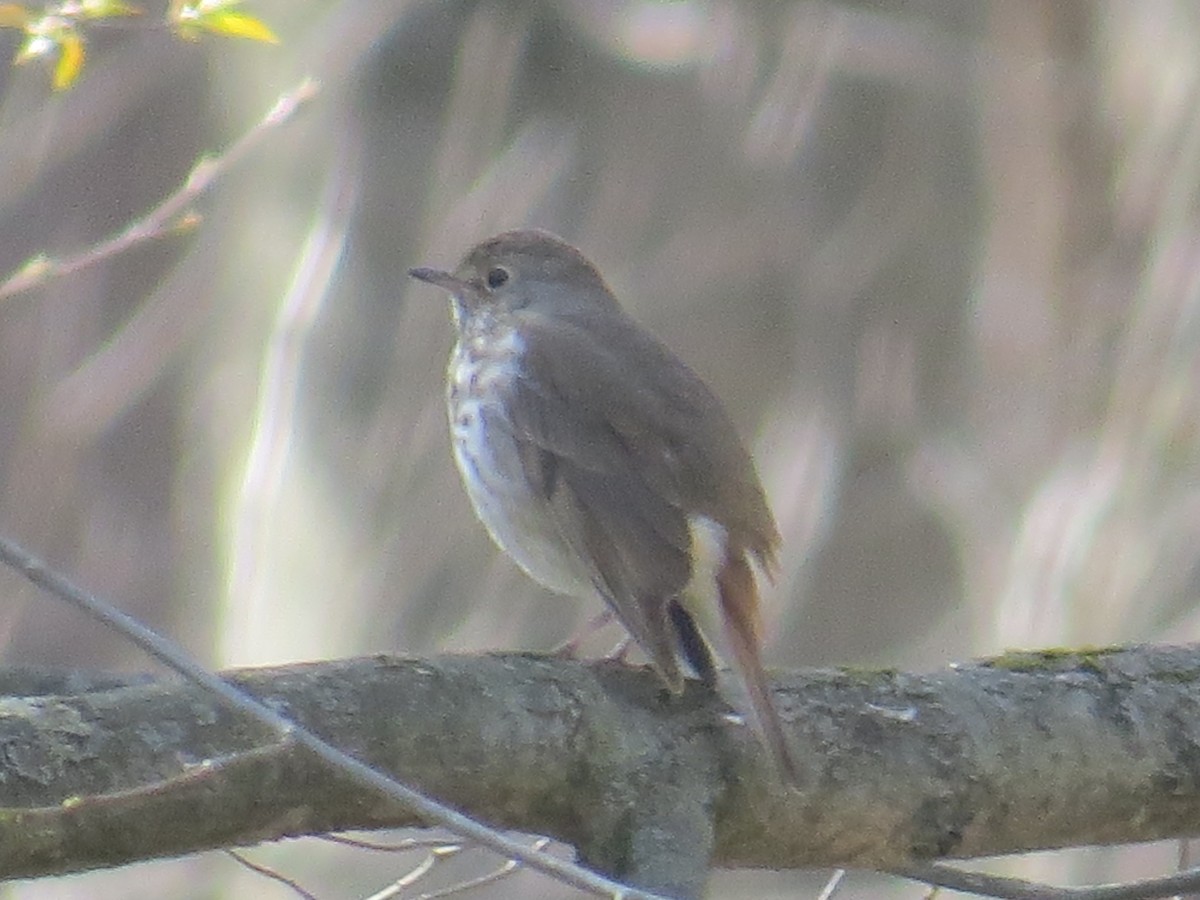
point(486, 454)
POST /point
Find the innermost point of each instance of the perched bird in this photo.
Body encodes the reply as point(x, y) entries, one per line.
point(603, 465)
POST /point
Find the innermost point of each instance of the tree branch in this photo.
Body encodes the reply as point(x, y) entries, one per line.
point(1029, 751)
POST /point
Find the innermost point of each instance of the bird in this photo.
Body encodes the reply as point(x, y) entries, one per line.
point(604, 466)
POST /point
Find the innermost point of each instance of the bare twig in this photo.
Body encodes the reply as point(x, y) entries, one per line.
point(174, 658)
point(272, 874)
point(173, 214)
point(419, 871)
point(1019, 889)
point(402, 846)
point(504, 870)
point(832, 885)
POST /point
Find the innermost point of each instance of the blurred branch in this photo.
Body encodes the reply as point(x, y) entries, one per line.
point(1024, 752)
point(247, 630)
point(173, 214)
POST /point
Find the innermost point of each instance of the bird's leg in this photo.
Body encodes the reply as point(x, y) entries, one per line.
point(620, 650)
point(569, 649)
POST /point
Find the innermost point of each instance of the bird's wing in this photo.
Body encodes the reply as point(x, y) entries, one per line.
point(639, 404)
point(625, 443)
point(600, 446)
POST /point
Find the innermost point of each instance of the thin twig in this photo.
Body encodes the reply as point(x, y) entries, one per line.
point(414, 875)
point(507, 868)
point(173, 214)
point(1019, 889)
point(268, 872)
point(831, 886)
point(427, 808)
point(401, 846)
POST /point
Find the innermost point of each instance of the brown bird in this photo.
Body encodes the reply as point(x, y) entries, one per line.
point(603, 465)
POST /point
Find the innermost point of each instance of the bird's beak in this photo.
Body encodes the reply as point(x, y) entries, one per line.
point(441, 279)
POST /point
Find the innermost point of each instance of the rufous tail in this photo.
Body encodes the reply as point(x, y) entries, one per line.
point(739, 612)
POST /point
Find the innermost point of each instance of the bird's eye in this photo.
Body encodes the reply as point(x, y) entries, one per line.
point(497, 277)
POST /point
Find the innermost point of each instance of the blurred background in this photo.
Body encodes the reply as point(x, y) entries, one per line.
point(940, 260)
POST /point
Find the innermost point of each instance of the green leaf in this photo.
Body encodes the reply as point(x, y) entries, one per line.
point(107, 9)
point(220, 17)
point(70, 60)
point(236, 24)
point(54, 37)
